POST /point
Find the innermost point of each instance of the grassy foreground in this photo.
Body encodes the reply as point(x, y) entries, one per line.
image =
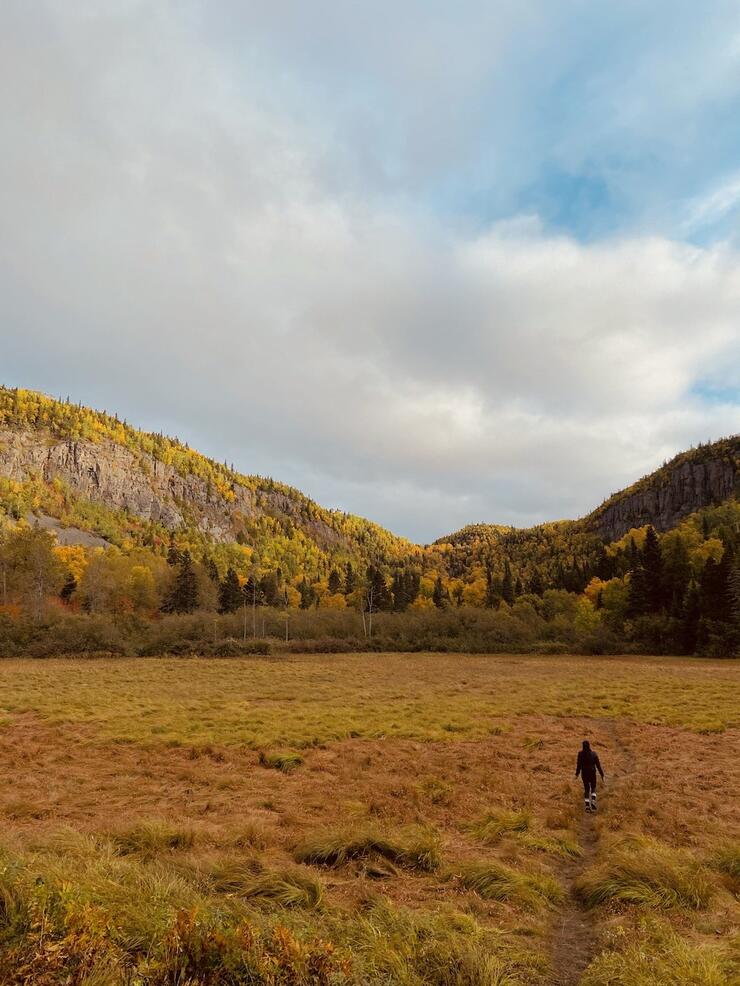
point(368, 819)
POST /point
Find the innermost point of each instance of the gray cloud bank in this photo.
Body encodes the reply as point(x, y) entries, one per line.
point(183, 242)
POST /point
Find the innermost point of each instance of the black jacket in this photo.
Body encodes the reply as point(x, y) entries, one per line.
point(588, 763)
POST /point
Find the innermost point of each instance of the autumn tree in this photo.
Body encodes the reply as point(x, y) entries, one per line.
point(30, 569)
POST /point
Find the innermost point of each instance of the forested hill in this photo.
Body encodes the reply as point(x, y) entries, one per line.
point(98, 481)
point(97, 473)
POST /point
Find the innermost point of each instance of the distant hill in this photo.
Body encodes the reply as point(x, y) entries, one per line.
point(97, 473)
point(86, 471)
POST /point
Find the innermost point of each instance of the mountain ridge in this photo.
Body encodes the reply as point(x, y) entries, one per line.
point(166, 486)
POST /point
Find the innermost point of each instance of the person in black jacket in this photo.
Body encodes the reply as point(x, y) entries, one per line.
point(586, 765)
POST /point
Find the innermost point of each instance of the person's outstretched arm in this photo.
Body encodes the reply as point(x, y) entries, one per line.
point(579, 763)
point(598, 765)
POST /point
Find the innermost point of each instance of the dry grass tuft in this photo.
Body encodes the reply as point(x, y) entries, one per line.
point(245, 878)
point(251, 835)
point(564, 846)
point(668, 960)
point(285, 762)
point(416, 852)
point(490, 829)
point(152, 837)
point(645, 872)
point(494, 881)
point(727, 859)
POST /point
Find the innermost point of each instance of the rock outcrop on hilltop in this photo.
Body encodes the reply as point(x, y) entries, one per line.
point(700, 478)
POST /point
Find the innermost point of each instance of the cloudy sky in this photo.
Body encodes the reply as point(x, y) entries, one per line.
point(431, 262)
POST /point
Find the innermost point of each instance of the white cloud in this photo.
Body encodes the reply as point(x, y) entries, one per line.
point(181, 244)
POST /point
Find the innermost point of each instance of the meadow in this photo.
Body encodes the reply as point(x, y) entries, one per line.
point(368, 818)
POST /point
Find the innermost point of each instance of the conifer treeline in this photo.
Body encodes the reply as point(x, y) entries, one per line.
point(678, 592)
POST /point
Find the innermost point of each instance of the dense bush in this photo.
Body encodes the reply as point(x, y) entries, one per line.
point(462, 630)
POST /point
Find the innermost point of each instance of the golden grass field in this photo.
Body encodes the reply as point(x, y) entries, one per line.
point(363, 819)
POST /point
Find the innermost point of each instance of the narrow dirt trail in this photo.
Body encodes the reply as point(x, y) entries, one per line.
point(575, 926)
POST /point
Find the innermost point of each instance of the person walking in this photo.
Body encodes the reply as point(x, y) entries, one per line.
point(586, 765)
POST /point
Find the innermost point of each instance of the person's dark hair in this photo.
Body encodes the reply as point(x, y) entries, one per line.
point(586, 745)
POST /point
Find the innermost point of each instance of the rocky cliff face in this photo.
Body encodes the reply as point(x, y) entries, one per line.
point(111, 474)
point(685, 485)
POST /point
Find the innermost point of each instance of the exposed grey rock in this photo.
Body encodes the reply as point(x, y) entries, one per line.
point(668, 496)
point(67, 535)
point(112, 474)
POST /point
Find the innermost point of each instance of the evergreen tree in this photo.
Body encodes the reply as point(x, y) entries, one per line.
point(308, 596)
point(716, 588)
point(536, 584)
point(438, 593)
point(507, 586)
point(173, 554)
point(404, 589)
point(68, 589)
point(652, 564)
point(491, 597)
point(335, 582)
point(604, 568)
point(378, 596)
point(690, 618)
point(212, 570)
point(398, 591)
point(676, 575)
point(268, 587)
point(183, 597)
point(230, 595)
point(349, 579)
point(637, 595)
